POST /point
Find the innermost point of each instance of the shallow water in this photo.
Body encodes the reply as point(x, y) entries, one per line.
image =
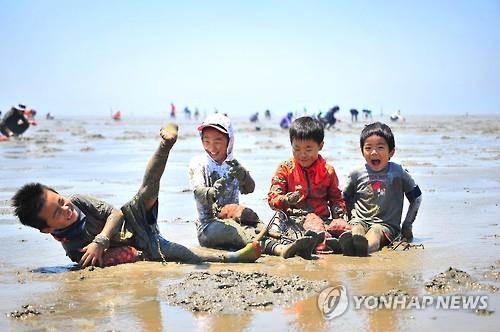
point(454, 160)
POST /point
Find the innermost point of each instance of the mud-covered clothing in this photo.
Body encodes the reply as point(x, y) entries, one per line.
point(213, 232)
point(318, 185)
point(377, 197)
point(226, 234)
point(139, 230)
point(203, 172)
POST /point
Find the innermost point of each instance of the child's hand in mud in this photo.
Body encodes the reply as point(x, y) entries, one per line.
point(237, 171)
point(407, 233)
point(214, 191)
point(292, 198)
point(92, 255)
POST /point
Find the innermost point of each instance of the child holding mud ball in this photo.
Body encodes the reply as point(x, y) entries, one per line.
point(217, 179)
point(93, 232)
point(305, 186)
point(374, 194)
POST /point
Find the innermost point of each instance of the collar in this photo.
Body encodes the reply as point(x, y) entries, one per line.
point(72, 231)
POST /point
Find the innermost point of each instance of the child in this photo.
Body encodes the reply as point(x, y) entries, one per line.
point(93, 232)
point(374, 195)
point(217, 179)
point(306, 186)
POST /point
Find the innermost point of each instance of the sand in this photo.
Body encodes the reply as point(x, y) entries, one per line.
point(453, 159)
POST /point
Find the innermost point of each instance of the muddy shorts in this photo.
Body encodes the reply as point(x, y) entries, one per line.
point(143, 228)
point(388, 232)
point(225, 234)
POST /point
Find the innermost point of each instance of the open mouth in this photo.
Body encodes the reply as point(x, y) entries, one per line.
point(375, 162)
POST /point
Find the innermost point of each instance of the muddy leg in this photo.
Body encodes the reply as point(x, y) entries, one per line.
point(150, 186)
point(374, 237)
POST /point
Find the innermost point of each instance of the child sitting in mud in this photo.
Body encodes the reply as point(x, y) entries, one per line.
point(217, 179)
point(93, 232)
point(305, 186)
point(374, 195)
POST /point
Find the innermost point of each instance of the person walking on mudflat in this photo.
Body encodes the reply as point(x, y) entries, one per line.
point(93, 232)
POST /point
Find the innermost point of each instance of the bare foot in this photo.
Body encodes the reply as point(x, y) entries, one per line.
point(169, 133)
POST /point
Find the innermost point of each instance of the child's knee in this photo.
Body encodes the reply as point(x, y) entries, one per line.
point(376, 233)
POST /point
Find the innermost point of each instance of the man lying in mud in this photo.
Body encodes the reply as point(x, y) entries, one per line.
point(93, 232)
point(217, 179)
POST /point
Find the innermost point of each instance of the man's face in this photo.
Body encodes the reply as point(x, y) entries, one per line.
point(306, 151)
point(57, 211)
point(215, 144)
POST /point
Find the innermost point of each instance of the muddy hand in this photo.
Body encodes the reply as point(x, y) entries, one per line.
point(169, 133)
point(219, 185)
point(292, 198)
point(237, 171)
point(407, 233)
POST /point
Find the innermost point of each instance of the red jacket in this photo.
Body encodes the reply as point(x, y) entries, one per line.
point(318, 185)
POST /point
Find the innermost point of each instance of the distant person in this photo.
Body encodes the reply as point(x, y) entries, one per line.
point(93, 232)
point(255, 117)
point(49, 116)
point(397, 117)
point(117, 116)
point(305, 186)
point(17, 120)
point(187, 113)
point(286, 121)
point(354, 115)
point(217, 179)
point(196, 114)
point(374, 195)
point(172, 111)
point(267, 114)
point(368, 114)
point(329, 119)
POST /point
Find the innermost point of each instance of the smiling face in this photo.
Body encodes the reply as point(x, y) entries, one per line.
point(306, 151)
point(376, 152)
point(57, 211)
point(215, 144)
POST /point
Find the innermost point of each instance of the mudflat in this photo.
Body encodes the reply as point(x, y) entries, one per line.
point(453, 159)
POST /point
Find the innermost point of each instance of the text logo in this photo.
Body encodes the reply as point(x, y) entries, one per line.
point(333, 301)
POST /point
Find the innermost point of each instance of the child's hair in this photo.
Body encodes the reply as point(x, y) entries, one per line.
point(379, 129)
point(307, 128)
point(27, 202)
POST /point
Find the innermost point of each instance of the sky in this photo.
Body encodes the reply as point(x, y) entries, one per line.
point(240, 57)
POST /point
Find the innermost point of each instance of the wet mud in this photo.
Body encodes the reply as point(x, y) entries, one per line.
point(455, 280)
point(457, 222)
point(233, 292)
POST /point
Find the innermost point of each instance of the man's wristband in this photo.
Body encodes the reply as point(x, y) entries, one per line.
point(102, 240)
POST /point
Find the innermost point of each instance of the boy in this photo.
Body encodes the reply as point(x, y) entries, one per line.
point(217, 179)
point(374, 195)
point(306, 186)
point(87, 227)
